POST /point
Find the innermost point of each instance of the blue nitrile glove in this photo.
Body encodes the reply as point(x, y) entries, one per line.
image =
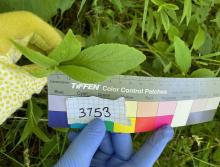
point(95, 147)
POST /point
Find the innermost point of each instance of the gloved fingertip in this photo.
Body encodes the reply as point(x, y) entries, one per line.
point(166, 131)
point(122, 144)
point(153, 147)
point(96, 125)
point(84, 145)
point(72, 135)
point(162, 136)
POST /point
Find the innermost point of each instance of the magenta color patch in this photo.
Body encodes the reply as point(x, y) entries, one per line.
point(163, 120)
point(166, 108)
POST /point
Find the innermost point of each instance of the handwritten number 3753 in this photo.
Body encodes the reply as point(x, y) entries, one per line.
point(94, 112)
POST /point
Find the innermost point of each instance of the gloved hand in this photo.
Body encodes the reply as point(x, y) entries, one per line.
point(16, 83)
point(94, 147)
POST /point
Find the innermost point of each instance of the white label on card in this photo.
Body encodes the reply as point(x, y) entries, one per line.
point(85, 109)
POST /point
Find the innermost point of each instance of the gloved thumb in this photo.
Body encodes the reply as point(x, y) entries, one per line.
point(151, 150)
point(82, 149)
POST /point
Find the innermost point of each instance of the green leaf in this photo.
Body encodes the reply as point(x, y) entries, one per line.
point(199, 39)
point(167, 67)
point(133, 27)
point(157, 2)
point(117, 4)
point(161, 46)
point(63, 130)
point(168, 6)
point(67, 49)
point(182, 55)
point(150, 25)
point(82, 74)
point(146, 2)
point(202, 73)
point(37, 71)
point(158, 24)
point(34, 114)
point(173, 31)
point(109, 59)
point(26, 132)
point(217, 19)
point(34, 118)
point(187, 10)
point(40, 134)
point(35, 57)
point(81, 7)
point(165, 20)
point(216, 155)
point(163, 5)
point(50, 146)
point(172, 14)
point(207, 46)
point(41, 72)
point(46, 9)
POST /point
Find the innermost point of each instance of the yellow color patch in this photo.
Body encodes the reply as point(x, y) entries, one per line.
point(131, 109)
point(125, 128)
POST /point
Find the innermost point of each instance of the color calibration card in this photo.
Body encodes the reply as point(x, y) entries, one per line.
point(130, 104)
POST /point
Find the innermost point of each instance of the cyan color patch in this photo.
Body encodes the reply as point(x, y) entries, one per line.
point(78, 126)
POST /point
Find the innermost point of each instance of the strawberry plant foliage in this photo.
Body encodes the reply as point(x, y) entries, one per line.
point(36, 57)
point(67, 50)
point(109, 59)
point(92, 64)
point(82, 73)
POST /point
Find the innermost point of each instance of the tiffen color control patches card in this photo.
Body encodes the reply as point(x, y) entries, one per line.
point(132, 104)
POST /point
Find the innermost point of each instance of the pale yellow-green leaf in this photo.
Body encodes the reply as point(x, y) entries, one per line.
point(187, 11)
point(165, 20)
point(67, 49)
point(146, 2)
point(182, 55)
point(150, 25)
point(199, 39)
point(82, 74)
point(109, 59)
point(202, 73)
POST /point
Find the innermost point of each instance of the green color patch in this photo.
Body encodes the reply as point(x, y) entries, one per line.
point(109, 125)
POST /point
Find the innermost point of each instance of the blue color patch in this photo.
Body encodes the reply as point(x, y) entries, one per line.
point(57, 119)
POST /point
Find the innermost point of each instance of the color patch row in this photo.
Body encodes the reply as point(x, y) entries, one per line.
point(151, 109)
point(142, 124)
point(147, 109)
point(145, 116)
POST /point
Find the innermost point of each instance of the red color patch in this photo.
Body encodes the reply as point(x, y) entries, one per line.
point(144, 124)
